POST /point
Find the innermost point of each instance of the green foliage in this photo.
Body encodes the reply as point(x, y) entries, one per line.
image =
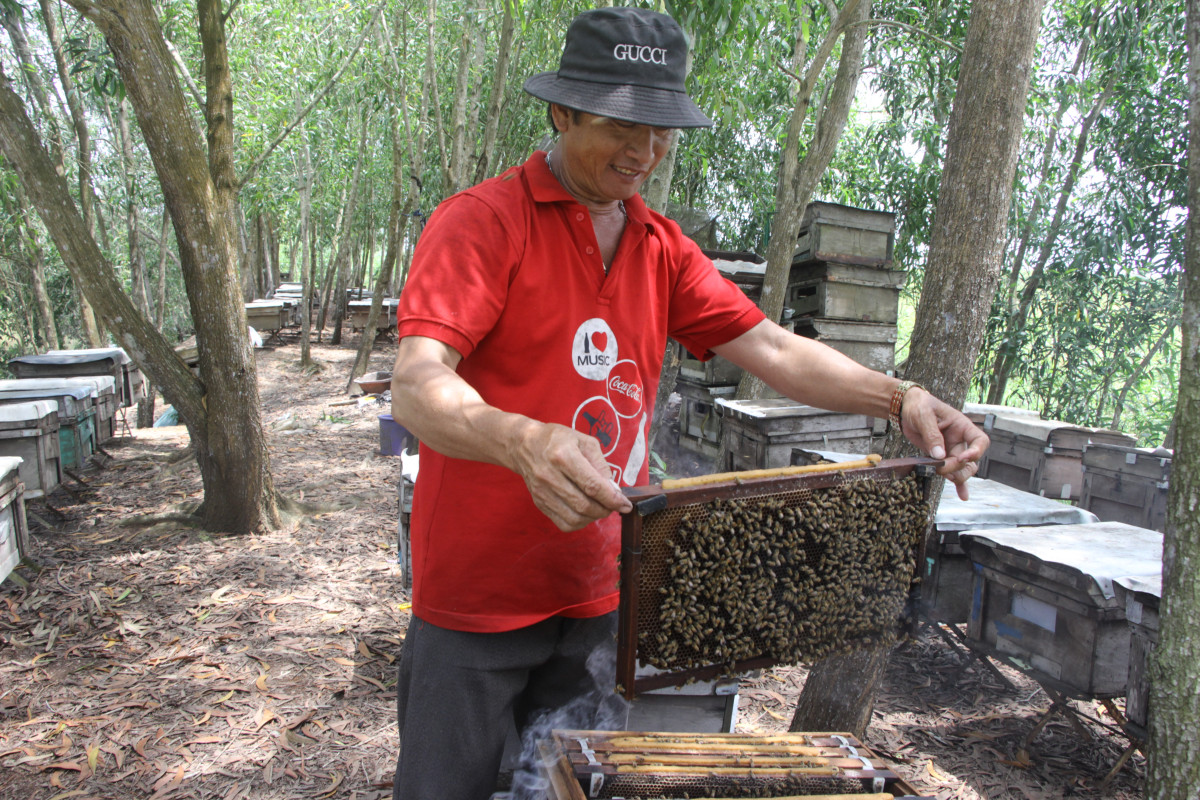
point(1109, 287)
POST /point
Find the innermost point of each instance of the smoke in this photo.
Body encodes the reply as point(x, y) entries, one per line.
point(599, 708)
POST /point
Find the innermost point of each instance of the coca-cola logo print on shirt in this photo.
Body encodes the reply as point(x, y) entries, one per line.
point(615, 415)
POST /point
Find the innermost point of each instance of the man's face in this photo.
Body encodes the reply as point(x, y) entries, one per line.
point(604, 160)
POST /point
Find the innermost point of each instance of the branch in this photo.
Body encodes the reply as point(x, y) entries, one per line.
point(232, 7)
point(888, 23)
point(262, 158)
point(187, 76)
point(92, 11)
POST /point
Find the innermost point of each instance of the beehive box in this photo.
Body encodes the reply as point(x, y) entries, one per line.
point(946, 587)
point(103, 397)
point(844, 291)
point(1142, 600)
point(76, 418)
point(744, 270)
point(847, 235)
point(581, 764)
point(14, 537)
point(872, 344)
point(761, 434)
point(716, 371)
point(1061, 472)
point(29, 431)
point(265, 315)
point(699, 416)
point(1044, 599)
point(1127, 484)
point(113, 361)
point(1042, 455)
point(984, 414)
point(360, 312)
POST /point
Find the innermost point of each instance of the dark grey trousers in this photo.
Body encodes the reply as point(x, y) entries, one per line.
point(458, 694)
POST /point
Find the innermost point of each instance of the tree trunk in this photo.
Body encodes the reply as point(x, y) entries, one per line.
point(330, 275)
point(229, 443)
point(965, 260)
point(160, 316)
point(36, 262)
point(341, 263)
point(306, 272)
point(1131, 381)
point(31, 74)
point(1006, 357)
point(87, 197)
point(398, 215)
point(1174, 771)
point(431, 81)
point(486, 166)
point(137, 263)
point(797, 179)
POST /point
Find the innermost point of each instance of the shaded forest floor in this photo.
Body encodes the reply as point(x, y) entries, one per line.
point(161, 662)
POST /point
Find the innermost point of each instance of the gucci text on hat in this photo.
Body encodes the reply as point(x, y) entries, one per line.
point(625, 63)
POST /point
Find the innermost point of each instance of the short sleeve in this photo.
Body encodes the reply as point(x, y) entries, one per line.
point(458, 283)
point(707, 309)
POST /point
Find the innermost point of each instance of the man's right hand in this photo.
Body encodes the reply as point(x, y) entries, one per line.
point(566, 475)
point(563, 468)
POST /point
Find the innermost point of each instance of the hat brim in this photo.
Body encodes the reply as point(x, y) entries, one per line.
point(644, 105)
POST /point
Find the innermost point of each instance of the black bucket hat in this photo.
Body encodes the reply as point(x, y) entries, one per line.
point(624, 63)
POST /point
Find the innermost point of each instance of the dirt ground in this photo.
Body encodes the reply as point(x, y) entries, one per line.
point(157, 661)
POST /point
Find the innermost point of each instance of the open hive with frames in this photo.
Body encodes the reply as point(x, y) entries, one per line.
point(739, 574)
point(681, 766)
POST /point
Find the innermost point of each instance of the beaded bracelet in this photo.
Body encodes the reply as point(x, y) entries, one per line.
point(898, 402)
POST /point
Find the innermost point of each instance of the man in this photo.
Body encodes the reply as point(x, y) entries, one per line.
point(532, 331)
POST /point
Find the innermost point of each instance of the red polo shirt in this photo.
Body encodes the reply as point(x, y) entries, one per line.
point(509, 274)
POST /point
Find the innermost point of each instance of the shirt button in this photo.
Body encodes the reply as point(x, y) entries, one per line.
point(591, 250)
point(579, 217)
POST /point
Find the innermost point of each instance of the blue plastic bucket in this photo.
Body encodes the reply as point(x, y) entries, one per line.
point(393, 437)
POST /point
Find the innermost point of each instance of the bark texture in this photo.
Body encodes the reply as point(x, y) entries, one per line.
point(230, 448)
point(965, 261)
point(1174, 772)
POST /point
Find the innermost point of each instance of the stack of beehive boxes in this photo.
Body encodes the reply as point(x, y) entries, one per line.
point(842, 287)
point(702, 383)
point(841, 291)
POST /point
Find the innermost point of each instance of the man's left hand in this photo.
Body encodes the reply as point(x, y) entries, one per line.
point(943, 432)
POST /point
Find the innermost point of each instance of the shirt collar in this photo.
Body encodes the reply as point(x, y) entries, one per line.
point(545, 188)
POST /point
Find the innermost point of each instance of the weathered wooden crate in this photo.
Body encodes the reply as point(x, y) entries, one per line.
point(1061, 472)
point(832, 232)
point(14, 536)
point(844, 291)
point(1127, 484)
point(716, 371)
point(872, 344)
point(103, 395)
point(1141, 612)
point(1044, 599)
point(113, 361)
point(265, 315)
point(1041, 455)
point(946, 586)
point(76, 417)
point(359, 311)
point(29, 431)
point(760, 434)
point(699, 417)
point(984, 415)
